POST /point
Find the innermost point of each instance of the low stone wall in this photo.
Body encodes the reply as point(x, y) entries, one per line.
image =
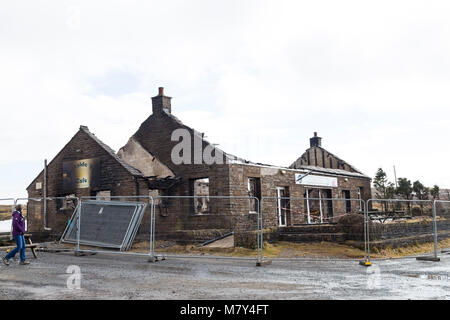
point(400, 234)
point(249, 239)
point(192, 236)
point(395, 234)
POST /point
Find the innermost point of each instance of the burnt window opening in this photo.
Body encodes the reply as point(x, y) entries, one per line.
point(103, 195)
point(318, 204)
point(254, 191)
point(200, 191)
point(360, 198)
point(69, 203)
point(348, 202)
point(328, 194)
point(160, 201)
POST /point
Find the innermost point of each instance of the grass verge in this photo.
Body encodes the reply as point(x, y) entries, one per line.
point(297, 250)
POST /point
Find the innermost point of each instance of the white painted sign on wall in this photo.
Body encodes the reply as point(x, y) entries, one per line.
point(319, 181)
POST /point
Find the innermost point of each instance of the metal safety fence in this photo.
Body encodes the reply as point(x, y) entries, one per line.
point(442, 226)
point(315, 218)
point(37, 211)
point(406, 224)
point(112, 225)
point(206, 226)
point(237, 227)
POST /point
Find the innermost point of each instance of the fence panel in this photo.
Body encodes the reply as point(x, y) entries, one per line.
point(442, 213)
point(112, 224)
point(397, 223)
point(314, 219)
point(206, 226)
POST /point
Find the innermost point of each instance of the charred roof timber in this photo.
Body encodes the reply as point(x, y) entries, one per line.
point(315, 141)
point(161, 102)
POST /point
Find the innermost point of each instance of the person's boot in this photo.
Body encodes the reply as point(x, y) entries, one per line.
point(23, 263)
point(5, 261)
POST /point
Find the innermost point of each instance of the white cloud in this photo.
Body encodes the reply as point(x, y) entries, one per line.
point(257, 76)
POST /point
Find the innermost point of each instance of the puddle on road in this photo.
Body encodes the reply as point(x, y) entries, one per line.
point(439, 277)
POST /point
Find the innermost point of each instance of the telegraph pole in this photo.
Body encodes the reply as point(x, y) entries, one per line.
point(395, 177)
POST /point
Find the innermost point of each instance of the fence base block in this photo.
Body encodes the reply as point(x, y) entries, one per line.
point(156, 259)
point(365, 263)
point(83, 253)
point(263, 263)
point(433, 259)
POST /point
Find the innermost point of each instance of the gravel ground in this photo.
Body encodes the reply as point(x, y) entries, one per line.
point(131, 277)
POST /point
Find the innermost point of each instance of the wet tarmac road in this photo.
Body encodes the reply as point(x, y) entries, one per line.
point(131, 277)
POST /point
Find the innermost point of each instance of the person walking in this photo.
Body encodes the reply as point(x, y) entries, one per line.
point(18, 231)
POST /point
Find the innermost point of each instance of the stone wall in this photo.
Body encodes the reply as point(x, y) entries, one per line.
point(407, 233)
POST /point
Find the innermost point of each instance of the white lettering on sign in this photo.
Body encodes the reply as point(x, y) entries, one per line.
point(319, 181)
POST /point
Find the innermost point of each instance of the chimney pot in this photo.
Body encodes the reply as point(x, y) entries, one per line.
point(161, 91)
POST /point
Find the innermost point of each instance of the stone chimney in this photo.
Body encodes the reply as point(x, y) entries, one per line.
point(161, 102)
point(315, 141)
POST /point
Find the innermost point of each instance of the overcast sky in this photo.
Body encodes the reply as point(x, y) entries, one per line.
point(258, 77)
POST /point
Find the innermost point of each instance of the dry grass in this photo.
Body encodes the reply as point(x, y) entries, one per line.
point(295, 250)
point(424, 219)
point(409, 250)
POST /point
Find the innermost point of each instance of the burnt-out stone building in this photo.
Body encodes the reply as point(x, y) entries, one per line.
point(169, 160)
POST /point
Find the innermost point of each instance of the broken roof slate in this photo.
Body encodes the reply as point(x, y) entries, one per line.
point(237, 160)
point(335, 171)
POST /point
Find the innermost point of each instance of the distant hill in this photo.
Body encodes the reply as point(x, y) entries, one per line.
point(5, 212)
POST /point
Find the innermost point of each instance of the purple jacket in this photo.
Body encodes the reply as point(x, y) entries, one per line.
point(18, 224)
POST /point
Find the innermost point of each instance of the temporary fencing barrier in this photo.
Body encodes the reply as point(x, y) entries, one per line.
point(206, 226)
point(235, 227)
point(40, 208)
point(397, 223)
point(313, 219)
point(442, 225)
point(110, 225)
